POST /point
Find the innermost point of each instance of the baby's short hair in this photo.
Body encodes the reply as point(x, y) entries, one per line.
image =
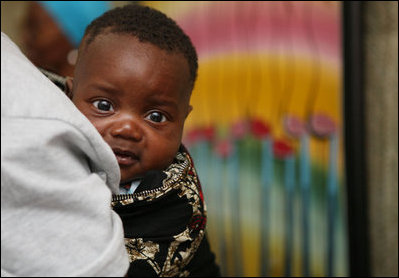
point(148, 25)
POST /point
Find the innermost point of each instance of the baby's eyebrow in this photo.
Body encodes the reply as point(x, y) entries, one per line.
point(162, 102)
point(105, 88)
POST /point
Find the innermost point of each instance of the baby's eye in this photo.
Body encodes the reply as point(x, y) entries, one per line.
point(103, 105)
point(156, 117)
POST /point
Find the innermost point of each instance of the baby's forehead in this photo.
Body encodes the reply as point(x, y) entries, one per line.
point(124, 57)
point(88, 40)
point(100, 38)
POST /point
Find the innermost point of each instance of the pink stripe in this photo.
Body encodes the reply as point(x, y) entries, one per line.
point(265, 26)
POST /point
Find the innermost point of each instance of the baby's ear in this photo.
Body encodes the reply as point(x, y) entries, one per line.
point(189, 109)
point(69, 87)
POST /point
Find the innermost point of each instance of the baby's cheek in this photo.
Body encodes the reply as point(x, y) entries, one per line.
point(100, 126)
point(164, 155)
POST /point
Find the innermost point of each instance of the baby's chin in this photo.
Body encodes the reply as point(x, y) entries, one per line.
point(128, 175)
point(125, 180)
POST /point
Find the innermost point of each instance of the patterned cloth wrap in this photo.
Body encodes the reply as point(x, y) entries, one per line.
point(164, 223)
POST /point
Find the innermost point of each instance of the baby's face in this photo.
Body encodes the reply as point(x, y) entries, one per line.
point(137, 96)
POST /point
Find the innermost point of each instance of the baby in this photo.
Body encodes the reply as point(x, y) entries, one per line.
point(133, 80)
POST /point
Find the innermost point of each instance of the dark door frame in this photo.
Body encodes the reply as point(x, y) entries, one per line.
point(355, 156)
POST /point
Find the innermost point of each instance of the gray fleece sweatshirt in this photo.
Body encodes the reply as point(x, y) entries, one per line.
point(57, 176)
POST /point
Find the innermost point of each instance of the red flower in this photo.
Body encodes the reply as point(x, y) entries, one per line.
point(281, 149)
point(192, 136)
point(224, 148)
point(208, 133)
point(259, 128)
point(239, 129)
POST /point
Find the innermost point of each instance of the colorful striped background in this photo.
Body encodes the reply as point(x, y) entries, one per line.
point(266, 133)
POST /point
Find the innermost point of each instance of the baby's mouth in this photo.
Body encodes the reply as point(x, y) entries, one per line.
point(125, 158)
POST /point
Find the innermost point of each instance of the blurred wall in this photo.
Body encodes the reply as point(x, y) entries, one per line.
point(12, 14)
point(381, 89)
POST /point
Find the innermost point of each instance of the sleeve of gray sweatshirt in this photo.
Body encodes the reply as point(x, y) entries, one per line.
point(57, 177)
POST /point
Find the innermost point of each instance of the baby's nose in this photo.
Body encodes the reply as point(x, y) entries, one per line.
point(127, 128)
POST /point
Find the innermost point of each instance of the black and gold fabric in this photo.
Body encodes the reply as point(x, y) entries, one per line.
point(164, 222)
